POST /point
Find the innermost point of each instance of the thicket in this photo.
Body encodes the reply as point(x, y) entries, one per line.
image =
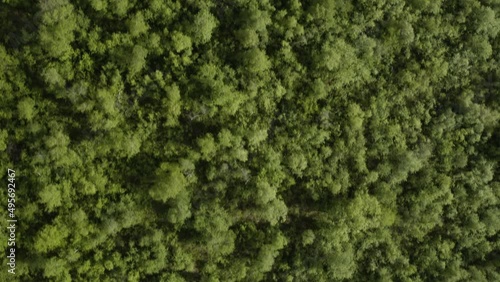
point(252, 140)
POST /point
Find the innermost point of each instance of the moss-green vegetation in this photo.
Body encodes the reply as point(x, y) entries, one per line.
point(249, 140)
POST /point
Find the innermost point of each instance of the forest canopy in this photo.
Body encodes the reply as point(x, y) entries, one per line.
point(251, 140)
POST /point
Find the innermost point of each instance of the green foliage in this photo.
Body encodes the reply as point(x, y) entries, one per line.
point(181, 41)
point(246, 140)
point(26, 108)
point(202, 26)
point(50, 238)
point(169, 182)
point(137, 60)
point(137, 25)
point(58, 23)
point(50, 196)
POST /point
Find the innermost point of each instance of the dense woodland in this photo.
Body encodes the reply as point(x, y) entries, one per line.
point(252, 140)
